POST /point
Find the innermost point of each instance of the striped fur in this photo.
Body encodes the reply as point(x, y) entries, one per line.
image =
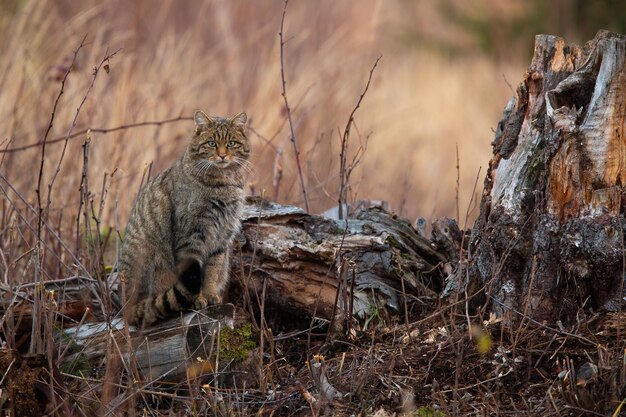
point(175, 254)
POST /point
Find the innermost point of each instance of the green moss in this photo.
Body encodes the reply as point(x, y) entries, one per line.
point(428, 412)
point(77, 366)
point(235, 344)
point(393, 242)
point(536, 166)
point(66, 338)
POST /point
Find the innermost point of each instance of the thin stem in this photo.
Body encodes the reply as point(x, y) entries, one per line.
point(343, 177)
point(37, 343)
point(97, 130)
point(284, 94)
point(458, 183)
point(96, 70)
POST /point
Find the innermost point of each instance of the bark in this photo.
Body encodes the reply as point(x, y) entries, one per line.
point(318, 267)
point(549, 237)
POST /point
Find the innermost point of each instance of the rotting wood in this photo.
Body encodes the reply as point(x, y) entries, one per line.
point(549, 237)
point(163, 353)
point(298, 257)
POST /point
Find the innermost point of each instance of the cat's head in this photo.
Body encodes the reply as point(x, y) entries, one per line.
point(219, 143)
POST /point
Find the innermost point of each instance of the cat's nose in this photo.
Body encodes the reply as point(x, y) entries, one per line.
point(223, 156)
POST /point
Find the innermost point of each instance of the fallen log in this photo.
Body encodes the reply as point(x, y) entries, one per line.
point(162, 353)
point(102, 355)
point(318, 267)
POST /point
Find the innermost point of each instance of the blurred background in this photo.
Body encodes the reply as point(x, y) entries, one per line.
point(448, 68)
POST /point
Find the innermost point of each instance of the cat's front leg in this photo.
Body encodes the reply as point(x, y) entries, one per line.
point(214, 282)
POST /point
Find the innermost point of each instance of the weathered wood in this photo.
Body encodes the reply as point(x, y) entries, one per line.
point(161, 353)
point(309, 264)
point(550, 233)
point(306, 260)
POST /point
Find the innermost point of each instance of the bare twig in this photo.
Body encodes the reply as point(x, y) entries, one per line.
point(277, 174)
point(49, 228)
point(458, 184)
point(145, 176)
point(349, 167)
point(37, 343)
point(98, 130)
point(45, 137)
point(542, 325)
point(82, 189)
point(264, 327)
point(269, 141)
point(31, 228)
point(343, 178)
point(96, 70)
point(284, 94)
point(50, 124)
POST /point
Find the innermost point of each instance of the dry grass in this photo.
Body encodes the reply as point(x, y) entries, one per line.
point(223, 57)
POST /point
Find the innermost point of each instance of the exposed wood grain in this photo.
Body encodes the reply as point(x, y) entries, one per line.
point(299, 258)
point(550, 232)
point(161, 353)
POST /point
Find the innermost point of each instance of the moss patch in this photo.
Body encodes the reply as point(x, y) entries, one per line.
point(428, 412)
point(536, 166)
point(78, 366)
point(235, 344)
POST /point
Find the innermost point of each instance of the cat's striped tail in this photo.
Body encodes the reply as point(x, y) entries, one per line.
point(179, 297)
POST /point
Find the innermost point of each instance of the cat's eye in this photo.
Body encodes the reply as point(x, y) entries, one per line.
point(233, 144)
point(207, 146)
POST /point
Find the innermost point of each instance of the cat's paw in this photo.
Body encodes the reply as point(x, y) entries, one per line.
point(214, 299)
point(200, 302)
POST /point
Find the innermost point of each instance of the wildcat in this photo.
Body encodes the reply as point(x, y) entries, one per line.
point(175, 254)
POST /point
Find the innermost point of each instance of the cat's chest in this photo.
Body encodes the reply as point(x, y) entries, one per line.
point(215, 218)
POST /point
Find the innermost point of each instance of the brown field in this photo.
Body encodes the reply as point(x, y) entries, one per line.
point(224, 57)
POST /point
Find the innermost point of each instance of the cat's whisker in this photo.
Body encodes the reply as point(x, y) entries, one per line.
point(200, 166)
point(244, 168)
point(209, 165)
point(244, 164)
point(242, 161)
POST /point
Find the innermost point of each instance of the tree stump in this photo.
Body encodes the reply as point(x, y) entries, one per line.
point(550, 235)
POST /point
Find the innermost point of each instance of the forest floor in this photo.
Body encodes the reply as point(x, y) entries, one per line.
point(428, 363)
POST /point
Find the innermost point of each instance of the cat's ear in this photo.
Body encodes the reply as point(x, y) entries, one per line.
point(202, 121)
point(239, 120)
